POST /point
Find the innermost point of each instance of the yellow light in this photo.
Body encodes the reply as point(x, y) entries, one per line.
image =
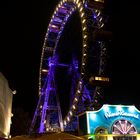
point(102, 25)
point(56, 9)
point(75, 99)
point(73, 106)
point(59, 5)
point(81, 9)
point(54, 26)
point(83, 1)
point(14, 92)
point(79, 4)
point(65, 123)
point(44, 70)
point(98, 13)
point(110, 137)
point(71, 113)
point(78, 91)
point(83, 64)
point(48, 28)
point(53, 15)
point(68, 119)
point(85, 36)
point(99, 1)
point(84, 54)
point(101, 19)
point(83, 21)
point(84, 28)
point(101, 78)
point(85, 45)
point(82, 14)
point(96, 10)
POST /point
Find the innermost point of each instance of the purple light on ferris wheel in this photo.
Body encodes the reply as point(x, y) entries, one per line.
point(75, 64)
point(86, 5)
point(63, 10)
point(57, 19)
point(94, 16)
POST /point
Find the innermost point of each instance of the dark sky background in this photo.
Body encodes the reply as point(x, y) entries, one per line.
point(125, 53)
point(23, 25)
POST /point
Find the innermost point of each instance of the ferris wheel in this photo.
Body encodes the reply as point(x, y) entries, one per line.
point(64, 69)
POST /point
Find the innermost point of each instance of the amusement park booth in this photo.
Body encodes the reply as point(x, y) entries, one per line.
point(111, 121)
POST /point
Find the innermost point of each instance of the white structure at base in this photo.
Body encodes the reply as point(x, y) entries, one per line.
point(6, 97)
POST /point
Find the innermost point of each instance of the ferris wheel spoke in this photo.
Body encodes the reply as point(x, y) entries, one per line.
point(121, 131)
point(129, 129)
point(124, 127)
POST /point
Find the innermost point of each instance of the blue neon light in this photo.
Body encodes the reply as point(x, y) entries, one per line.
point(109, 114)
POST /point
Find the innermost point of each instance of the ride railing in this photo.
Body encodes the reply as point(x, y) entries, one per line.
point(112, 137)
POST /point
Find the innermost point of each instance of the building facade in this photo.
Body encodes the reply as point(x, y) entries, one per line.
point(6, 97)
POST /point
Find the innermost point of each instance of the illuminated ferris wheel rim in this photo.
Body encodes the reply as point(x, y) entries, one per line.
point(53, 28)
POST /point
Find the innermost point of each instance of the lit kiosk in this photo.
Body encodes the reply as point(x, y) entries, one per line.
point(111, 122)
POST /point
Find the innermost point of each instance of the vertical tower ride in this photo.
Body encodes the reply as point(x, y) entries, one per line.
point(83, 76)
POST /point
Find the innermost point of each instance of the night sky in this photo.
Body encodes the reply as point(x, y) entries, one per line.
point(23, 25)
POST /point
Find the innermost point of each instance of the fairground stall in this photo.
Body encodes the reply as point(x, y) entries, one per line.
point(111, 122)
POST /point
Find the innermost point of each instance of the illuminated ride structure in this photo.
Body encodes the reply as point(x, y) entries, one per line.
point(70, 81)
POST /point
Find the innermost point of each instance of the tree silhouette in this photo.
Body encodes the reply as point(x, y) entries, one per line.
point(20, 122)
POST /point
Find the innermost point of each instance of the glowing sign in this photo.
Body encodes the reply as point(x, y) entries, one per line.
point(121, 113)
point(106, 116)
